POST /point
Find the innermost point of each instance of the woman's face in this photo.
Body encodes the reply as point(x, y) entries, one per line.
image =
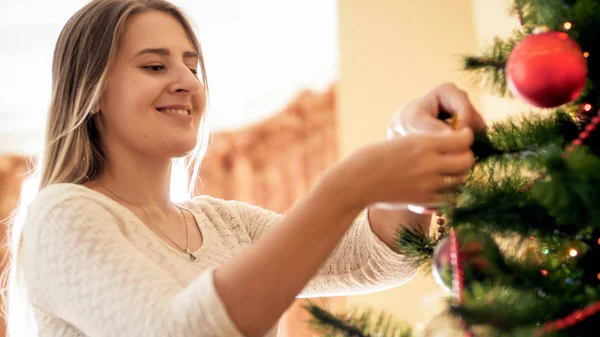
point(153, 101)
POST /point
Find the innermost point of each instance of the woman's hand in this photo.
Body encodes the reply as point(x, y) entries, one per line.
point(417, 169)
point(423, 115)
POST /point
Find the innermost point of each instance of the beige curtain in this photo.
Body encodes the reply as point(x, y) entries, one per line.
point(272, 164)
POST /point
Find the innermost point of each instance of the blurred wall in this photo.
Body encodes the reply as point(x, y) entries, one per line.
point(392, 51)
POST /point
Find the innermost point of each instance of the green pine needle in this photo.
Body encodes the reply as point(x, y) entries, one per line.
point(363, 323)
point(416, 245)
point(489, 67)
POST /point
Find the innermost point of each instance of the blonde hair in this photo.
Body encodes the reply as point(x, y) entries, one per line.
point(85, 50)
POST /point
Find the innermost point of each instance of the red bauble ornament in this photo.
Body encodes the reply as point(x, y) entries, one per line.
point(546, 70)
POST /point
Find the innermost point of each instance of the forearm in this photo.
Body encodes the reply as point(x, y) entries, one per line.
point(260, 284)
point(385, 223)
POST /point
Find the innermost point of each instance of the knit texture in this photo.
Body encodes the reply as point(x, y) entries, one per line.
point(92, 268)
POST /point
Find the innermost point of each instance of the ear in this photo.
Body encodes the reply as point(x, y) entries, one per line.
point(95, 110)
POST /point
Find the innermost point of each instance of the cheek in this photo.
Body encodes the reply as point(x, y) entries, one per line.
point(128, 104)
point(142, 95)
point(199, 103)
point(130, 95)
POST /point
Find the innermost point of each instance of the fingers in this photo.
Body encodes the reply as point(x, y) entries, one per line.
point(418, 116)
point(433, 125)
point(449, 183)
point(455, 101)
point(451, 142)
point(477, 122)
point(456, 163)
point(454, 149)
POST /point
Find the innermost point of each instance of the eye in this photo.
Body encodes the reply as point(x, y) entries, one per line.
point(194, 71)
point(155, 68)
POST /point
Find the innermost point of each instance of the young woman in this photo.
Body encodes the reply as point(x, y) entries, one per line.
point(104, 252)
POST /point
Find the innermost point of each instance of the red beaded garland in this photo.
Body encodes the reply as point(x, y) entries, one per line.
point(459, 278)
point(572, 319)
point(583, 135)
point(588, 311)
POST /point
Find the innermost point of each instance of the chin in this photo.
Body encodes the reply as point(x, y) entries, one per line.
point(178, 150)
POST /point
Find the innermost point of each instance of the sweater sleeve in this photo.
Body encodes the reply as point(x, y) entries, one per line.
point(79, 266)
point(360, 263)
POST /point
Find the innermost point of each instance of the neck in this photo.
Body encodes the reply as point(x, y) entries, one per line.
point(144, 182)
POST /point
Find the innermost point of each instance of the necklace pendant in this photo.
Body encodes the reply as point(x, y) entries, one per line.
point(192, 256)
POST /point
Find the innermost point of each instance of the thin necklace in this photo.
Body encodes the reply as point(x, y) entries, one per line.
point(186, 250)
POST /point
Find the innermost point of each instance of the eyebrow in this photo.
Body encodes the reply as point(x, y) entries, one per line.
point(165, 52)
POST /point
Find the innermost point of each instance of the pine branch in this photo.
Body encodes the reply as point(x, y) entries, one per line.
point(533, 131)
point(543, 12)
point(490, 65)
point(331, 324)
point(356, 324)
point(509, 311)
point(478, 62)
point(525, 135)
point(518, 9)
point(503, 308)
point(570, 191)
point(416, 245)
point(511, 146)
point(499, 205)
point(520, 143)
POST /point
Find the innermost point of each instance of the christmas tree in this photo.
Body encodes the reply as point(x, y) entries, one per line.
point(518, 248)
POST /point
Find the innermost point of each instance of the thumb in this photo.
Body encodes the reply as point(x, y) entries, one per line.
point(421, 125)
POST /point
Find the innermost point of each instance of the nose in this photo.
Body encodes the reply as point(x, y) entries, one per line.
point(185, 82)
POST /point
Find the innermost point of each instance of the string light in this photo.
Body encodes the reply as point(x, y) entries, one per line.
point(567, 25)
point(544, 272)
point(573, 252)
point(599, 276)
point(587, 107)
point(586, 54)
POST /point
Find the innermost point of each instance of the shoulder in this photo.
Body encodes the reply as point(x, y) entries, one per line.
point(206, 201)
point(65, 195)
point(68, 201)
point(226, 209)
point(64, 191)
point(226, 206)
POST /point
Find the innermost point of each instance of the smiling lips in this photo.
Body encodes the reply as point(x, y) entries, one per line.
point(176, 109)
point(182, 112)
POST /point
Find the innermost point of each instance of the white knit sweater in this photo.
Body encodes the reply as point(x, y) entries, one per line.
point(92, 268)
